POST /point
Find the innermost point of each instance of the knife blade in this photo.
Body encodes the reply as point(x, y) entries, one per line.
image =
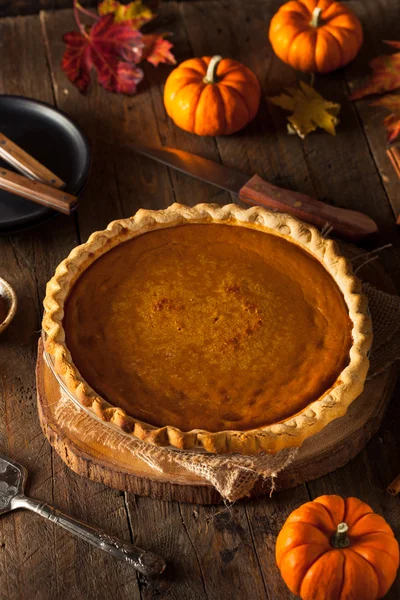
point(348, 224)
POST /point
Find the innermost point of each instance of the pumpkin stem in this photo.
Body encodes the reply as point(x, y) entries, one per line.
point(340, 539)
point(315, 17)
point(211, 75)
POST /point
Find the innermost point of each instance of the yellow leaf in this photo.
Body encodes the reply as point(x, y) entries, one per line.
point(309, 110)
point(135, 11)
point(107, 6)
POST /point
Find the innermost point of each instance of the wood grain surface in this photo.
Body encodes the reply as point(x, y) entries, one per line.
point(214, 552)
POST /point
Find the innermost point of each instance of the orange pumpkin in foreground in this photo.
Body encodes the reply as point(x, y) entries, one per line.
point(337, 549)
point(315, 35)
point(211, 96)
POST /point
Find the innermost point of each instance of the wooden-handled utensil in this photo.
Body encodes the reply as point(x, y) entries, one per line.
point(37, 183)
point(348, 224)
point(23, 162)
point(37, 192)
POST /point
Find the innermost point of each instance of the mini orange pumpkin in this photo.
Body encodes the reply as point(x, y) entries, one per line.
point(211, 96)
point(315, 35)
point(335, 548)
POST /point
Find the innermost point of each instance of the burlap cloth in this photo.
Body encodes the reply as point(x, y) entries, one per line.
point(234, 475)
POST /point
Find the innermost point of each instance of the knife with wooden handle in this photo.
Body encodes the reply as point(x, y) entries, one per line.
point(37, 192)
point(348, 224)
point(23, 162)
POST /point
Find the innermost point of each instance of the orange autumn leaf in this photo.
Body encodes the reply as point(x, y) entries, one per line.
point(392, 121)
point(385, 76)
point(135, 12)
point(157, 50)
point(392, 126)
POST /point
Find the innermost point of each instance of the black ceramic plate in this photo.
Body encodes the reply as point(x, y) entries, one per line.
point(52, 138)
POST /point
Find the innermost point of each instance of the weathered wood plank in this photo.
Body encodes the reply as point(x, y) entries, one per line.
point(95, 504)
point(9, 8)
point(29, 543)
point(266, 518)
point(224, 545)
point(37, 557)
point(159, 525)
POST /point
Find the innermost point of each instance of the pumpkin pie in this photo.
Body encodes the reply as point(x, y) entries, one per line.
point(210, 327)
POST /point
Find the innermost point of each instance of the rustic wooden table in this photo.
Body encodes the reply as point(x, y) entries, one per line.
point(214, 552)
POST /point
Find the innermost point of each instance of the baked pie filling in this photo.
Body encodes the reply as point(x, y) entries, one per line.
point(208, 326)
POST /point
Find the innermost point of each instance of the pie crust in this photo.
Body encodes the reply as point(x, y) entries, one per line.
point(271, 438)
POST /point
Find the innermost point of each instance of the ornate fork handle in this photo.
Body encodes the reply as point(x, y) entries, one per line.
point(145, 562)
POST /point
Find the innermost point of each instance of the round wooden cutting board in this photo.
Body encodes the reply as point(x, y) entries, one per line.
point(337, 444)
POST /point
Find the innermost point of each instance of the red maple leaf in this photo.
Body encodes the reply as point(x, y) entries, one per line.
point(392, 121)
point(111, 49)
point(392, 126)
point(157, 50)
point(385, 77)
point(385, 74)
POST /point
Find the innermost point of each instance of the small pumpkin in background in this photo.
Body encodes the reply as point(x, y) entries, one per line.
point(337, 549)
point(212, 96)
point(316, 36)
